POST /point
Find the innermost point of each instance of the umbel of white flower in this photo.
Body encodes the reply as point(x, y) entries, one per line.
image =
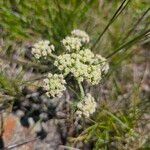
point(82, 35)
point(84, 65)
point(75, 42)
point(86, 107)
point(42, 49)
point(72, 43)
point(54, 85)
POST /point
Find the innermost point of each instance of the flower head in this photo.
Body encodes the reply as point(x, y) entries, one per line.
point(54, 85)
point(87, 106)
point(72, 44)
point(42, 49)
point(84, 65)
point(86, 55)
point(94, 74)
point(81, 35)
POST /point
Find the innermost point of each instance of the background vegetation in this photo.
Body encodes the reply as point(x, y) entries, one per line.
point(119, 30)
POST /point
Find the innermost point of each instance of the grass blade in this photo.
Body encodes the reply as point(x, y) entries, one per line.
point(116, 14)
point(136, 24)
point(23, 62)
point(117, 119)
point(129, 43)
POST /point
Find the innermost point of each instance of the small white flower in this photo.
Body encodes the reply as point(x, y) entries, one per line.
point(81, 35)
point(42, 49)
point(87, 106)
point(86, 55)
point(54, 84)
point(72, 44)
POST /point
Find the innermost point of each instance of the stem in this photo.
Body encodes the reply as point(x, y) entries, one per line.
point(53, 56)
point(114, 17)
point(128, 44)
point(91, 120)
point(21, 143)
point(81, 90)
point(23, 62)
point(136, 24)
point(67, 147)
point(73, 91)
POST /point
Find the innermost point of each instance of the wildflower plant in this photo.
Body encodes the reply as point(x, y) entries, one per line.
point(76, 66)
point(77, 61)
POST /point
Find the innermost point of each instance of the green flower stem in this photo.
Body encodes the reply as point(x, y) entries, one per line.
point(53, 56)
point(81, 90)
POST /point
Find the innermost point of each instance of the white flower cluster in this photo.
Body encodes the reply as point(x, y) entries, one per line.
point(72, 43)
point(87, 106)
point(54, 85)
point(77, 60)
point(76, 40)
point(42, 49)
point(83, 65)
point(81, 35)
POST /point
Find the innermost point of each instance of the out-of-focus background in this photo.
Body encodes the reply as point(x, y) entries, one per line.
point(119, 30)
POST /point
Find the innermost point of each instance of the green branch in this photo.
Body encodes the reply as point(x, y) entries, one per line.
point(81, 90)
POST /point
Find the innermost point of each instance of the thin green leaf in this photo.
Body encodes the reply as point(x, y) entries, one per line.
point(128, 44)
point(114, 17)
